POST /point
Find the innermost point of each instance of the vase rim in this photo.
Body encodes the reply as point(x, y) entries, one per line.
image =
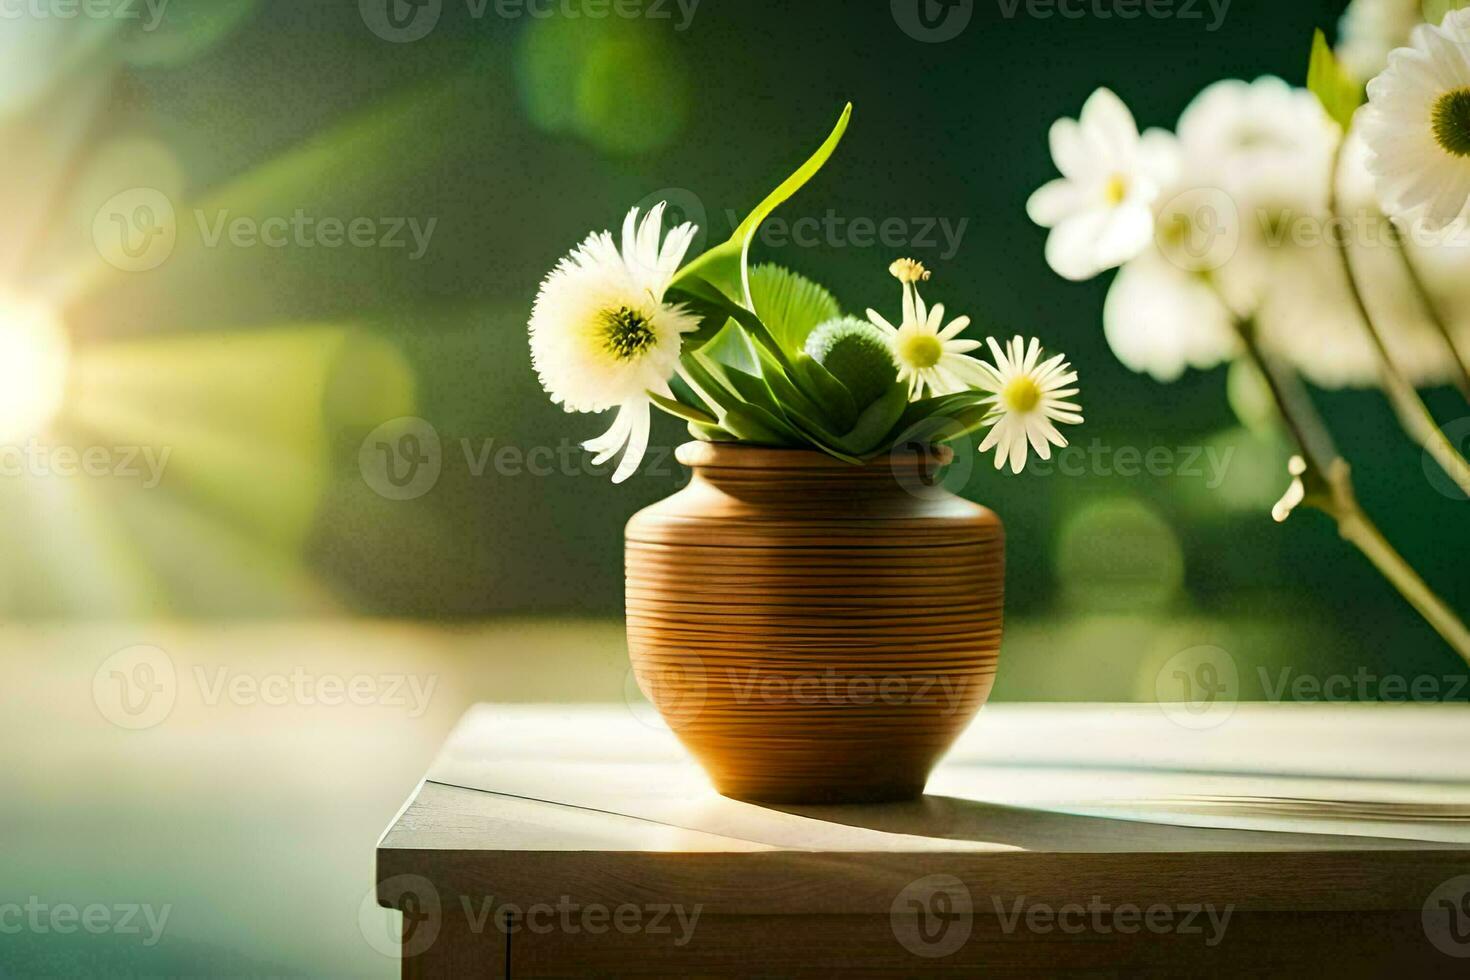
point(735, 455)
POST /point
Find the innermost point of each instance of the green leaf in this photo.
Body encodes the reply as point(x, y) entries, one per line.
point(709, 388)
point(731, 346)
point(821, 387)
point(710, 433)
point(876, 421)
point(725, 265)
point(754, 424)
point(682, 411)
point(967, 420)
point(686, 395)
point(1339, 92)
point(793, 401)
point(940, 408)
point(731, 393)
point(701, 291)
point(789, 304)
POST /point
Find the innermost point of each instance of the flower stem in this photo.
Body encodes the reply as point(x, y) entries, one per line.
point(1413, 414)
point(1436, 317)
point(1331, 491)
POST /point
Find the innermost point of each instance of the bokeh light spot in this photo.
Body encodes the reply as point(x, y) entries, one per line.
point(619, 85)
point(34, 355)
point(1119, 553)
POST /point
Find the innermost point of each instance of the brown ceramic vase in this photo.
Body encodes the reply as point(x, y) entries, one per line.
point(815, 631)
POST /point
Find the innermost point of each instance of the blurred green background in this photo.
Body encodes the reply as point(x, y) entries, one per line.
point(503, 140)
point(274, 539)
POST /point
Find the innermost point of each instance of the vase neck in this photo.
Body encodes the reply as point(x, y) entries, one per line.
point(801, 476)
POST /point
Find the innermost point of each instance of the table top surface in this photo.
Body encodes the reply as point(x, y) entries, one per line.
point(1277, 806)
point(1058, 778)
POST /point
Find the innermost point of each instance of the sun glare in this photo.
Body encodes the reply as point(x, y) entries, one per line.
point(34, 353)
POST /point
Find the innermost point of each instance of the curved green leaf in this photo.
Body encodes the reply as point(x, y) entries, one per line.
point(725, 264)
point(680, 410)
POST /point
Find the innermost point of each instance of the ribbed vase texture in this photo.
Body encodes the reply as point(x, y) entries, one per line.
point(815, 631)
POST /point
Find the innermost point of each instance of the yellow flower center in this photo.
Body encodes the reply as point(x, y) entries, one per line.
point(908, 271)
point(626, 333)
point(1452, 122)
point(920, 350)
point(1021, 395)
point(1116, 190)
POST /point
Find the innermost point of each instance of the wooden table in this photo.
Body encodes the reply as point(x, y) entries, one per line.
point(1108, 839)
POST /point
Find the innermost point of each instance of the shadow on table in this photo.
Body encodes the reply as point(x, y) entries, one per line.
point(953, 818)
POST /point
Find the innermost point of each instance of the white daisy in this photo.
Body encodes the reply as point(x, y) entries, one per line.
point(1417, 125)
point(601, 335)
point(1100, 209)
point(1028, 398)
point(928, 358)
point(1370, 29)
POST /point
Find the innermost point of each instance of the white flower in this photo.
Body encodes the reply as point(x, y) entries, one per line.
point(1370, 29)
point(1160, 318)
point(928, 358)
point(602, 336)
point(1260, 138)
point(1417, 125)
point(1100, 209)
point(1028, 398)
